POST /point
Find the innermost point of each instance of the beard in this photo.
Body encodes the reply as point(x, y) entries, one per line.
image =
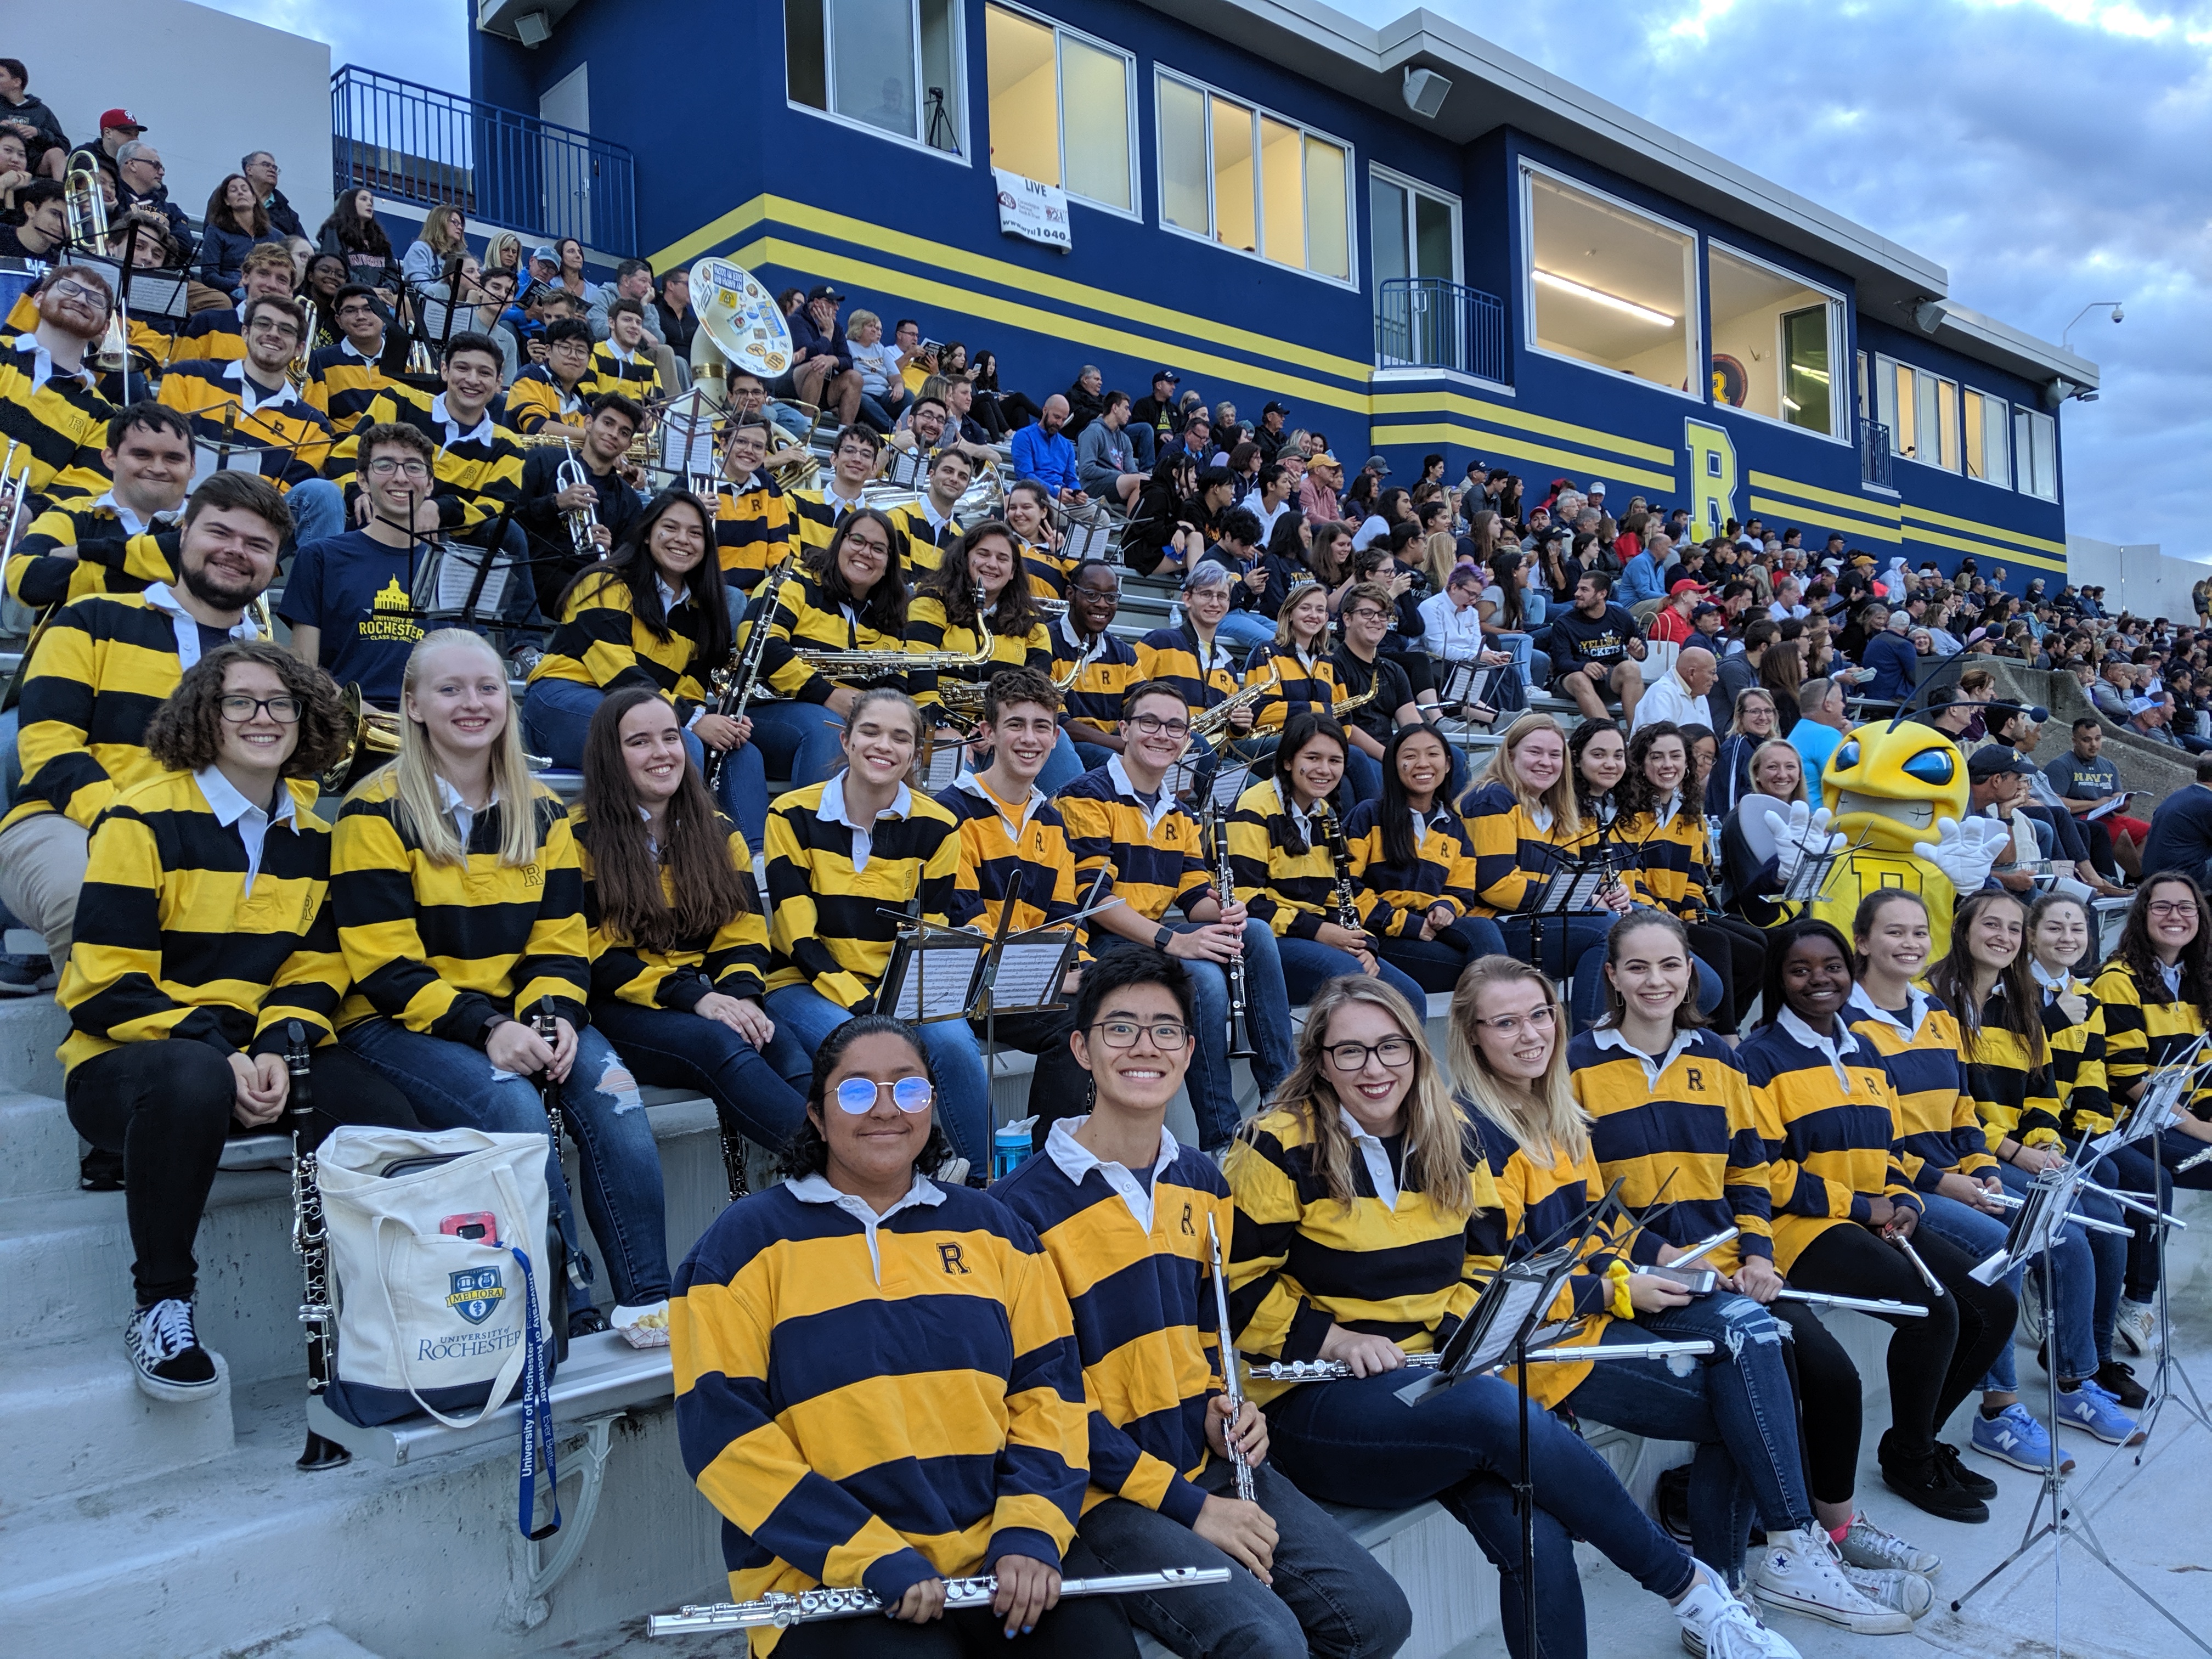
point(205, 585)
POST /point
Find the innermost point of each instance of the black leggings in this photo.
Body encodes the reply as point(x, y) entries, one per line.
point(1829, 1401)
point(166, 1105)
point(1736, 952)
point(1934, 1363)
point(1435, 964)
point(1083, 1628)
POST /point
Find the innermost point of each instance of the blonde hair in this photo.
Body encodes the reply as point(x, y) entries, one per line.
point(501, 240)
point(1291, 602)
point(438, 231)
point(861, 320)
point(1543, 1116)
point(1440, 553)
point(1435, 1132)
point(1559, 798)
point(1789, 749)
point(417, 810)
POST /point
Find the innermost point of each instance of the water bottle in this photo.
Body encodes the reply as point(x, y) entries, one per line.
point(1009, 1146)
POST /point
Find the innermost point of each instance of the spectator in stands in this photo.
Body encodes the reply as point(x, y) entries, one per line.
point(671, 311)
point(15, 171)
point(261, 169)
point(1818, 730)
point(1317, 492)
point(1670, 623)
point(43, 228)
point(917, 360)
point(568, 254)
point(1596, 651)
point(1156, 410)
point(29, 120)
point(822, 372)
point(233, 223)
point(168, 1048)
point(1043, 452)
point(504, 251)
point(1894, 663)
point(1679, 694)
point(633, 281)
point(1085, 399)
point(353, 232)
point(443, 239)
point(2150, 718)
point(1105, 461)
point(883, 388)
point(1001, 411)
point(1271, 435)
point(141, 185)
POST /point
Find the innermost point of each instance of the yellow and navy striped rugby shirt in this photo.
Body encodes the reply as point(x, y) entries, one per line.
point(109, 554)
point(1302, 686)
point(1540, 1206)
point(2074, 1041)
point(816, 514)
point(732, 960)
point(926, 536)
point(806, 618)
point(636, 377)
point(1397, 897)
point(440, 947)
point(96, 675)
point(1667, 857)
point(998, 837)
point(1828, 1114)
point(172, 940)
point(1921, 1051)
point(216, 335)
point(2013, 1097)
point(1150, 854)
point(602, 642)
point(1512, 844)
point(2146, 1028)
point(827, 886)
point(535, 398)
point(1132, 1257)
point(1048, 571)
point(872, 1401)
point(752, 531)
point(1680, 1132)
point(928, 629)
point(342, 384)
point(476, 474)
point(1281, 862)
point(294, 437)
point(60, 420)
point(1201, 675)
point(1093, 700)
point(1390, 1264)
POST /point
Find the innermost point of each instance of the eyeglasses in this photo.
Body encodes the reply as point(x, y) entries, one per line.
point(1122, 1033)
point(151, 167)
point(861, 544)
point(1365, 613)
point(857, 1095)
point(1152, 726)
point(65, 287)
point(239, 709)
point(276, 331)
point(384, 468)
point(1393, 1051)
point(1536, 1019)
point(2172, 907)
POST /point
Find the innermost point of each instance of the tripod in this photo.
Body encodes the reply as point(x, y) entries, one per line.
point(2168, 1381)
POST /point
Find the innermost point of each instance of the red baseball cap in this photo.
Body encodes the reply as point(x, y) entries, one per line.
point(121, 118)
point(1686, 585)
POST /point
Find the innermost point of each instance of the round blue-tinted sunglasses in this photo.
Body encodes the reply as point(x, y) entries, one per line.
point(857, 1095)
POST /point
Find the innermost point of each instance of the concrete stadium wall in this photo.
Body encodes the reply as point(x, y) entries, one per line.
point(2137, 576)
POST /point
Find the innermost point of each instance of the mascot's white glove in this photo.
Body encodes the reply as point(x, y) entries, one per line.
point(1786, 833)
point(1965, 853)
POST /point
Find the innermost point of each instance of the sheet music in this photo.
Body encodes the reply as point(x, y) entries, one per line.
point(1091, 540)
point(906, 469)
point(1465, 683)
point(1518, 1299)
point(455, 569)
point(687, 443)
point(1029, 972)
point(434, 315)
point(1583, 895)
point(153, 292)
point(208, 460)
point(939, 770)
point(938, 980)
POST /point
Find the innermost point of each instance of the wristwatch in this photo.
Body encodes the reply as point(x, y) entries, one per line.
point(1164, 937)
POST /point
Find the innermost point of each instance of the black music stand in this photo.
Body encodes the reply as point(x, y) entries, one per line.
point(1810, 879)
point(935, 973)
point(1570, 888)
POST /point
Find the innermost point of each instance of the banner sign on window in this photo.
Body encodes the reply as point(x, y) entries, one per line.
point(1028, 209)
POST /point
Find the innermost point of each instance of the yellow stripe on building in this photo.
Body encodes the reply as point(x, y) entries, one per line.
point(1987, 532)
point(1448, 402)
point(1864, 506)
point(1769, 507)
point(1454, 432)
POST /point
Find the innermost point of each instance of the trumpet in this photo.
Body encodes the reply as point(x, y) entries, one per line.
point(84, 209)
point(1209, 722)
point(582, 521)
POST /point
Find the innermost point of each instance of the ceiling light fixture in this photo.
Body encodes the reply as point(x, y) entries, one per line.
point(1567, 285)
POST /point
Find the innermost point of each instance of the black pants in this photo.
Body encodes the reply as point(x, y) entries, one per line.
point(1829, 1401)
point(1737, 951)
point(1934, 1363)
point(1085, 1627)
point(166, 1106)
point(1435, 964)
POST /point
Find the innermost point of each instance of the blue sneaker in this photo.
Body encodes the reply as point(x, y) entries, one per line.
point(2014, 1437)
point(2097, 1410)
point(26, 976)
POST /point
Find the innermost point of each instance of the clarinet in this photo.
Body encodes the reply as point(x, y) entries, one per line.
point(1215, 834)
point(780, 1609)
point(549, 1087)
point(1340, 858)
point(744, 679)
point(1232, 1382)
point(310, 1243)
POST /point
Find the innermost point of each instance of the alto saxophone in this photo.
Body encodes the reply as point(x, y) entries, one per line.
point(1337, 711)
point(1209, 722)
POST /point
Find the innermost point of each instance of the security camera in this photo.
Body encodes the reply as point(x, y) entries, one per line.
point(2120, 313)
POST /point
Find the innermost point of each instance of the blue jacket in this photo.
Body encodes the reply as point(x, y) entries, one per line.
point(1639, 579)
point(1047, 458)
point(1896, 665)
point(223, 252)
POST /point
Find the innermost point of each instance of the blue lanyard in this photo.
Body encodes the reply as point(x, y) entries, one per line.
point(537, 1413)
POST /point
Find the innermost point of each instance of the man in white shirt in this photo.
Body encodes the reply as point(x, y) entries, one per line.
point(1679, 694)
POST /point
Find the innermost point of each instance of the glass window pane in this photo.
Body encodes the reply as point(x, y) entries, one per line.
point(1805, 399)
point(1094, 90)
point(1435, 251)
point(805, 71)
point(1929, 445)
point(941, 75)
point(2045, 431)
point(1235, 188)
point(1947, 415)
point(1328, 244)
point(1972, 413)
point(1182, 156)
point(1610, 286)
point(2022, 448)
point(1996, 461)
point(872, 49)
point(1282, 211)
point(1905, 421)
point(1024, 113)
point(1387, 204)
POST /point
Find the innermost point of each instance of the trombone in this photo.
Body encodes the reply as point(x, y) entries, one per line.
point(84, 207)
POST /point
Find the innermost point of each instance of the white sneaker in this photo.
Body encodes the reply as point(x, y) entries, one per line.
point(1716, 1625)
point(1868, 1546)
point(165, 1352)
point(1799, 1572)
point(1894, 1588)
point(2031, 1310)
point(2137, 1326)
point(953, 1172)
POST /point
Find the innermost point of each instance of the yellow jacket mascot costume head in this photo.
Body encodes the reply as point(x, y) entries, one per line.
point(1892, 787)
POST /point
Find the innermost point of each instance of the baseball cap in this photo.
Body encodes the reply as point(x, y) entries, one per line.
point(1322, 460)
point(1276, 407)
point(1378, 466)
point(1597, 488)
point(120, 118)
point(1167, 374)
point(1686, 585)
point(2137, 705)
point(1996, 761)
point(1699, 610)
point(546, 251)
point(824, 291)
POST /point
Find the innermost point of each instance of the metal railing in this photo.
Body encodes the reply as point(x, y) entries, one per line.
point(414, 143)
point(1874, 454)
point(1426, 322)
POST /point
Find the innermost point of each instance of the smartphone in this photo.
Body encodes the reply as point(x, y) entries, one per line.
point(478, 1226)
point(1698, 1281)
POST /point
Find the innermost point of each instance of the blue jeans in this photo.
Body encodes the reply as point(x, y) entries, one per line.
point(1735, 1404)
point(1354, 1441)
point(1246, 629)
point(1435, 964)
point(804, 1020)
point(798, 740)
point(1308, 964)
point(675, 1048)
point(2091, 1269)
point(11, 757)
point(1577, 940)
point(1518, 644)
point(1267, 1013)
point(1329, 1597)
point(2133, 1167)
point(453, 1086)
point(318, 508)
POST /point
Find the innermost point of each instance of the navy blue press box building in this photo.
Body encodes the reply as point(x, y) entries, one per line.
point(1417, 241)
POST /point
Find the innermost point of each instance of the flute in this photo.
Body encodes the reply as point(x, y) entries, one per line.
point(2007, 1201)
point(780, 1609)
point(1810, 1298)
point(1231, 1384)
point(1934, 1285)
point(1337, 1371)
point(2193, 1161)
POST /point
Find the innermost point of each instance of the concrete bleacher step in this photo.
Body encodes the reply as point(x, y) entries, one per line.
point(31, 1030)
point(75, 1422)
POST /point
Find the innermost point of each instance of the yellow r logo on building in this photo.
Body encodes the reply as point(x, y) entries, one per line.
point(1712, 475)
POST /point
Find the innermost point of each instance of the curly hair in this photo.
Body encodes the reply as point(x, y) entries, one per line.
point(807, 1152)
point(185, 733)
point(1638, 793)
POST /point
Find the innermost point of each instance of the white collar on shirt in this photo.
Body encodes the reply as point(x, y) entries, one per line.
point(1372, 1153)
point(1832, 1049)
point(1077, 1160)
point(1916, 1010)
point(131, 523)
point(251, 397)
point(482, 432)
point(1118, 775)
point(1610, 1036)
point(42, 363)
point(232, 809)
point(816, 1189)
point(159, 597)
point(833, 810)
point(465, 816)
point(671, 597)
point(349, 349)
point(969, 783)
point(2172, 974)
point(2051, 985)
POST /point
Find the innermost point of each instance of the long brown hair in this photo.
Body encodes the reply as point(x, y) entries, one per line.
point(1952, 979)
point(1013, 615)
point(2135, 954)
point(696, 848)
point(1638, 793)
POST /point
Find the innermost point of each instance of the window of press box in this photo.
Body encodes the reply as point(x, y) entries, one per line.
point(1061, 109)
point(890, 65)
point(2035, 440)
point(1250, 180)
point(1609, 284)
point(1985, 429)
point(1921, 411)
point(1774, 339)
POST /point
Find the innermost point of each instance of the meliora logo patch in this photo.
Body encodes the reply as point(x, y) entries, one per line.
point(475, 1293)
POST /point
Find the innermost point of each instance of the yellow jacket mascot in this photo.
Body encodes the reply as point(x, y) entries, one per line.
point(1891, 784)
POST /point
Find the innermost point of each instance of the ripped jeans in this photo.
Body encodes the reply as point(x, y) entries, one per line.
point(1734, 1404)
point(454, 1086)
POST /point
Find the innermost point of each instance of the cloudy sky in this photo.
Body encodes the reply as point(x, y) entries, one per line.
point(2040, 148)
